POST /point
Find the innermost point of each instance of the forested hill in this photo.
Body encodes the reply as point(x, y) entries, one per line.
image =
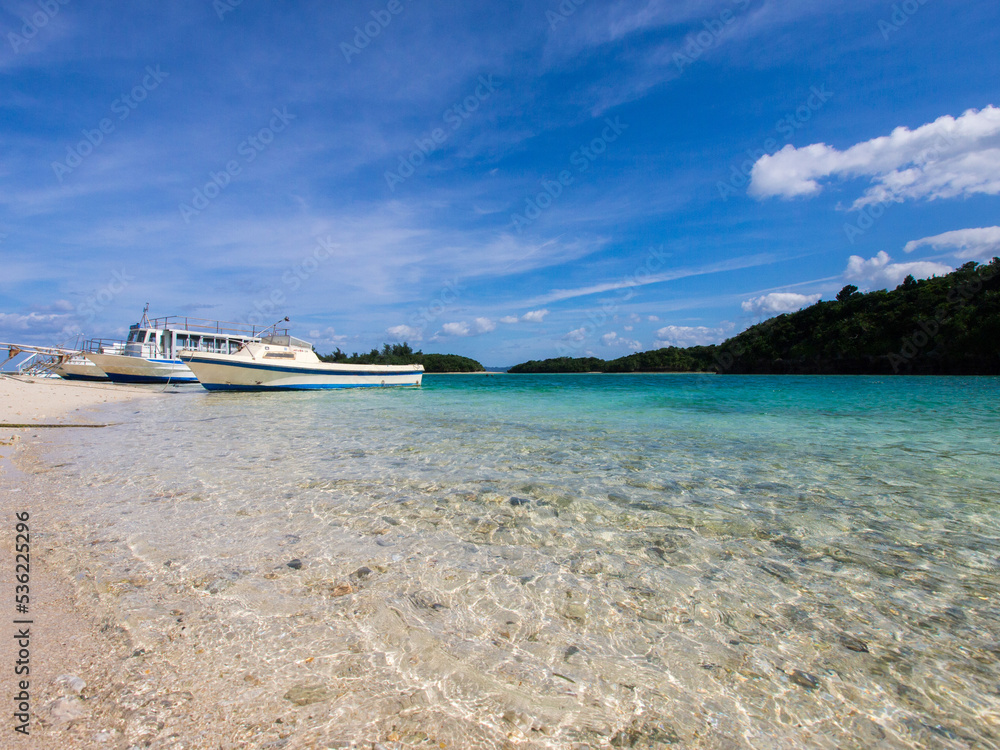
point(402, 354)
point(947, 325)
point(671, 359)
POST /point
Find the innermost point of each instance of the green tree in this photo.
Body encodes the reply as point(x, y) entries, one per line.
point(847, 293)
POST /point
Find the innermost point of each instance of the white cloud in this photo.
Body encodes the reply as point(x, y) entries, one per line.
point(405, 333)
point(947, 158)
point(612, 339)
point(880, 272)
point(653, 319)
point(980, 244)
point(576, 335)
point(36, 322)
point(456, 329)
point(508, 319)
point(778, 302)
point(484, 325)
point(535, 316)
point(327, 336)
point(691, 335)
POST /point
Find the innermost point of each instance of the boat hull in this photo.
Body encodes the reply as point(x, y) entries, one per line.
point(220, 373)
point(75, 369)
point(121, 368)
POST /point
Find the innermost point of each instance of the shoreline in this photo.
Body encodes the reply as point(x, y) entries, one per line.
point(37, 401)
point(79, 674)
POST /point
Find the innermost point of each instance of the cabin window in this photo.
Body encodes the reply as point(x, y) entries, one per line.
point(279, 355)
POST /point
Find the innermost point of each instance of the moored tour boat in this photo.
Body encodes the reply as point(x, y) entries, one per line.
point(150, 353)
point(283, 362)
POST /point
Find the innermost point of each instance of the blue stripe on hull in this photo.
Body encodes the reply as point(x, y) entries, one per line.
point(225, 387)
point(85, 377)
point(120, 378)
point(257, 365)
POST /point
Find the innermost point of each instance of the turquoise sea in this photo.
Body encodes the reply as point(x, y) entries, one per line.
point(552, 561)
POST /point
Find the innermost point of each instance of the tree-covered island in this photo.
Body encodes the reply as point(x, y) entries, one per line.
point(403, 354)
point(944, 325)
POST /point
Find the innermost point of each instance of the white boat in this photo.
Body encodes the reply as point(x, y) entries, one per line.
point(150, 353)
point(78, 367)
point(283, 362)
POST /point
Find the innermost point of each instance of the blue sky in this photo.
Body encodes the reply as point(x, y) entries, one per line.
point(500, 180)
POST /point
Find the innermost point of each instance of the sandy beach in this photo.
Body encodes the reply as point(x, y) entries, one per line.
point(46, 400)
point(76, 674)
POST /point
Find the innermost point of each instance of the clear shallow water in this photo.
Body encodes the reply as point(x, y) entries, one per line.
point(638, 561)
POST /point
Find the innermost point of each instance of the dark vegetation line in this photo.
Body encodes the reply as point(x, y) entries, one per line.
point(403, 354)
point(946, 325)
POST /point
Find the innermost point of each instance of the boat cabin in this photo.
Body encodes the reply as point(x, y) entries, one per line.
point(162, 338)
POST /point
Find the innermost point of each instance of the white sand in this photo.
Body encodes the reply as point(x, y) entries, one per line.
point(51, 401)
point(68, 639)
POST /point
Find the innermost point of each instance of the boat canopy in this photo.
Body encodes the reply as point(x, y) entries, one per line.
point(285, 340)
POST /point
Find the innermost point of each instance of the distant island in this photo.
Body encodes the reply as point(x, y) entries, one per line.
point(946, 325)
point(403, 354)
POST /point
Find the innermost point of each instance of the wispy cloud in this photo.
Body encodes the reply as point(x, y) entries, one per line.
point(981, 244)
point(748, 261)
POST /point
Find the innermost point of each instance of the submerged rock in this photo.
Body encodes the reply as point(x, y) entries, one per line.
point(853, 644)
point(804, 679)
point(646, 735)
point(779, 571)
point(295, 564)
point(305, 694)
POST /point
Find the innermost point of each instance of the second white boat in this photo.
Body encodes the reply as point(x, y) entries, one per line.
point(282, 362)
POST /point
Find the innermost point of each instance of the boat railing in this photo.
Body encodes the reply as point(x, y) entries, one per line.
point(204, 325)
point(104, 346)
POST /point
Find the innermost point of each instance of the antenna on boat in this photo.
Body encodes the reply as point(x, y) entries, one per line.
point(144, 323)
